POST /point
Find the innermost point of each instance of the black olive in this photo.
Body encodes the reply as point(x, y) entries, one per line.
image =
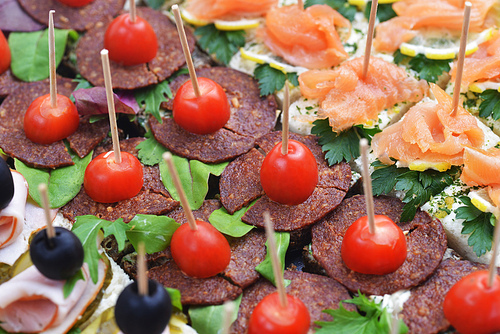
point(58, 258)
point(6, 184)
point(137, 314)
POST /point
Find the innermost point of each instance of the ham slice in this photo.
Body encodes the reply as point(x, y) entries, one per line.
point(12, 217)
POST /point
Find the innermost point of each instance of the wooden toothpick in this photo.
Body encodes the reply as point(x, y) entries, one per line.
point(369, 37)
point(461, 57)
point(285, 122)
point(142, 279)
point(185, 49)
point(111, 105)
point(52, 61)
point(300, 4)
point(228, 312)
point(42, 189)
point(367, 184)
point(278, 275)
point(132, 11)
point(494, 251)
point(167, 156)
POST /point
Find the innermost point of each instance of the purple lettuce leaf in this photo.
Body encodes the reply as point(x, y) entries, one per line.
point(92, 101)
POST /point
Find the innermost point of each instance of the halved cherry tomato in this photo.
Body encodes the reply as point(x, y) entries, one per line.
point(130, 43)
point(380, 253)
point(205, 114)
point(105, 181)
point(75, 3)
point(4, 53)
point(269, 317)
point(201, 253)
point(46, 125)
point(289, 179)
point(472, 307)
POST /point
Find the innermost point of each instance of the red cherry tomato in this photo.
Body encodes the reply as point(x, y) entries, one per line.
point(269, 317)
point(205, 114)
point(75, 3)
point(472, 307)
point(130, 43)
point(289, 179)
point(202, 253)
point(105, 181)
point(380, 253)
point(46, 125)
point(4, 53)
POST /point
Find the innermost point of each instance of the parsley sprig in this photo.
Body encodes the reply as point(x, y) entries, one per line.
point(342, 6)
point(271, 79)
point(223, 44)
point(384, 11)
point(343, 146)
point(478, 224)
point(490, 104)
point(418, 187)
point(427, 69)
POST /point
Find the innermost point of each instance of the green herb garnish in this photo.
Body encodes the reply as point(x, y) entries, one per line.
point(342, 6)
point(223, 44)
point(265, 268)
point(490, 104)
point(427, 69)
point(271, 79)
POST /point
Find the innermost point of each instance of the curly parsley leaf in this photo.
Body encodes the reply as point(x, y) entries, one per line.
point(418, 187)
point(342, 6)
point(150, 151)
point(373, 319)
point(478, 224)
point(152, 97)
point(271, 79)
point(490, 104)
point(340, 146)
point(427, 69)
point(384, 11)
point(224, 44)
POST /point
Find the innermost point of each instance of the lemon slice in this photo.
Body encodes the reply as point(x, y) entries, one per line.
point(362, 3)
point(263, 59)
point(191, 19)
point(481, 200)
point(479, 87)
point(242, 24)
point(421, 166)
point(441, 53)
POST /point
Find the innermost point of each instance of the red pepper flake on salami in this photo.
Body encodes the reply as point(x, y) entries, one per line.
point(425, 238)
point(169, 57)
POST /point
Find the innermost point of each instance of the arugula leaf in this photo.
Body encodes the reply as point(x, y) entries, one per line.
point(342, 6)
point(224, 44)
point(427, 69)
point(210, 319)
point(340, 146)
point(490, 104)
point(374, 320)
point(478, 224)
point(384, 11)
point(118, 228)
point(70, 283)
point(175, 297)
point(265, 268)
point(30, 50)
point(231, 225)
point(194, 176)
point(155, 4)
point(152, 97)
point(150, 150)
point(154, 231)
point(64, 183)
point(271, 79)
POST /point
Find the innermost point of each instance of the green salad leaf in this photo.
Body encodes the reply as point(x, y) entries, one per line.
point(490, 104)
point(155, 231)
point(30, 52)
point(342, 6)
point(150, 150)
point(119, 229)
point(384, 11)
point(427, 69)
point(222, 44)
point(152, 96)
point(70, 283)
point(194, 176)
point(271, 79)
point(210, 319)
point(175, 297)
point(265, 268)
point(231, 225)
point(155, 4)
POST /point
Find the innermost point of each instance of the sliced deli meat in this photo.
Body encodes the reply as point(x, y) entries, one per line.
point(12, 217)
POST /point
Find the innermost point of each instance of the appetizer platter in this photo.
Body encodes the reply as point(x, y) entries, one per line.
point(195, 166)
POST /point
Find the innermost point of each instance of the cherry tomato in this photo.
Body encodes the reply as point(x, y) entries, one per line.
point(289, 179)
point(380, 253)
point(201, 253)
point(269, 317)
point(205, 114)
point(4, 53)
point(130, 43)
point(46, 125)
point(472, 307)
point(105, 181)
point(75, 3)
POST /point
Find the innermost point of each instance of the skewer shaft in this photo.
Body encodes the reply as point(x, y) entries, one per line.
point(142, 279)
point(461, 57)
point(132, 11)
point(42, 189)
point(494, 251)
point(369, 37)
point(285, 130)
point(367, 185)
point(52, 61)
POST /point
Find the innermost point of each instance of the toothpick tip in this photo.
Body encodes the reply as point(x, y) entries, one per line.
point(104, 52)
point(175, 7)
point(42, 187)
point(468, 4)
point(52, 11)
point(167, 156)
point(363, 142)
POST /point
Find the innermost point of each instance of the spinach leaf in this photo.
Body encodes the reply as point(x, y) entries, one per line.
point(154, 231)
point(265, 268)
point(210, 319)
point(231, 224)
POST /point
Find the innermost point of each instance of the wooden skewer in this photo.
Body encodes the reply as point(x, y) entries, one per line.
point(278, 275)
point(133, 12)
point(300, 4)
point(494, 251)
point(185, 49)
point(42, 189)
point(461, 57)
point(52, 61)
point(286, 116)
point(142, 279)
point(228, 312)
point(367, 185)
point(167, 156)
point(369, 37)
point(111, 105)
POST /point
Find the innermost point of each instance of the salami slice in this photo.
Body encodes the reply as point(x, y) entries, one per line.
point(8, 83)
point(169, 57)
point(426, 244)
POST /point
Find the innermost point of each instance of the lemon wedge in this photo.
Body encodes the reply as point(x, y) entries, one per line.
point(264, 58)
point(242, 24)
point(421, 166)
point(481, 200)
point(443, 53)
point(479, 87)
point(191, 19)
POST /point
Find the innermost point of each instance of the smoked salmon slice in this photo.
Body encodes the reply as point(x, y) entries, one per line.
point(416, 14)
point(305, 37)
point(481, 167)
point(348, 99)
point(228, 9)
point(429, 132)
